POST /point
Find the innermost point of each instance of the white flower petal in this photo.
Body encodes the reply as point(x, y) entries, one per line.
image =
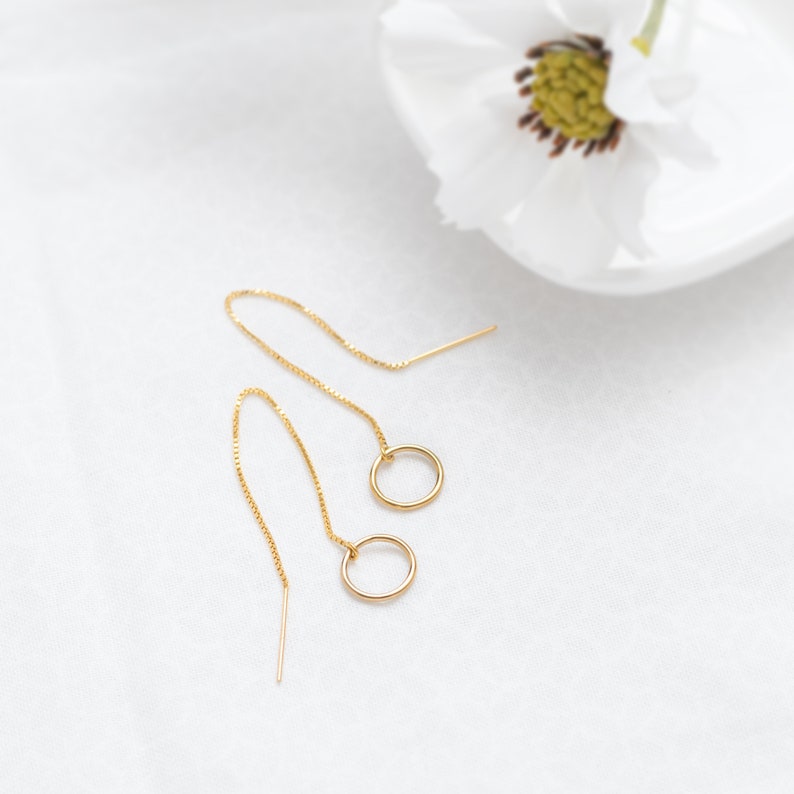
point(600, 17)
point(618, 184)
point(427, 38)
point(558, 226)
point(518, 24)
point(486, 165)
point(677, 141)
point(674, 90)
point(630, 93)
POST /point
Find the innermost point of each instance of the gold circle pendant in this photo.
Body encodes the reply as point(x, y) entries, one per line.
point(401, 588)
point(388, 455)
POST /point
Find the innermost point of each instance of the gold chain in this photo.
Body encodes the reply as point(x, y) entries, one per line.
point(302, 372)
point(352, 549)
point(349, 346)
point(247, 491)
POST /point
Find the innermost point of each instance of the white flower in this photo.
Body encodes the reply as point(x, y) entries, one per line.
point(570, 199)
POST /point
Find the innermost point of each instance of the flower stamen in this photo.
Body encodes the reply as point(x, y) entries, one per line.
point(567, 81)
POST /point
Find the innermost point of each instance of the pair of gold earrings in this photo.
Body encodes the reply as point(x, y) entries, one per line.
point(386, 454)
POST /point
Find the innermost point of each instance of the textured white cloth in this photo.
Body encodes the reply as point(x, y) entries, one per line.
point(605, 586)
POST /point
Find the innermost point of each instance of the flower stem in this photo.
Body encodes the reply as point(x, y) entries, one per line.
point(650, 30)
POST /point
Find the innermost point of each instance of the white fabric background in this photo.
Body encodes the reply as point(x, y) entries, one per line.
point(604, 597)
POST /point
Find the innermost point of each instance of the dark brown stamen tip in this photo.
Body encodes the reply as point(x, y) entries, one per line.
point(595, 42)
point(578, 143)
point(533, 53)
point(524, 74)
point(526, 90)
point(527, 119)
point(559, 147)
point(546, 132)
point(615, 134)
point(590, 148)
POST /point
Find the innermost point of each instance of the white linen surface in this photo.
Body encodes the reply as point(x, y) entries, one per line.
point(605, 589)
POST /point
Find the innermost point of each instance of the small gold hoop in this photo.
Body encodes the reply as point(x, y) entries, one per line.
point(388, 455)
point(400, 589)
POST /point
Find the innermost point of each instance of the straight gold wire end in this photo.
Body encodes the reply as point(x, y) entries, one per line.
point(450, 345)
point(282, 637)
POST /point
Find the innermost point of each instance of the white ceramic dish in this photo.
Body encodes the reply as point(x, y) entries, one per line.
point(698, 224)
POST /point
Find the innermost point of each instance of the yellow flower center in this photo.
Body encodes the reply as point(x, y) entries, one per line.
point(569, 94)
point(567, 81)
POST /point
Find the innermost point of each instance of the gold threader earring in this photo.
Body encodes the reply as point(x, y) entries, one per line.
point(351, 549)
point(387, 452)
